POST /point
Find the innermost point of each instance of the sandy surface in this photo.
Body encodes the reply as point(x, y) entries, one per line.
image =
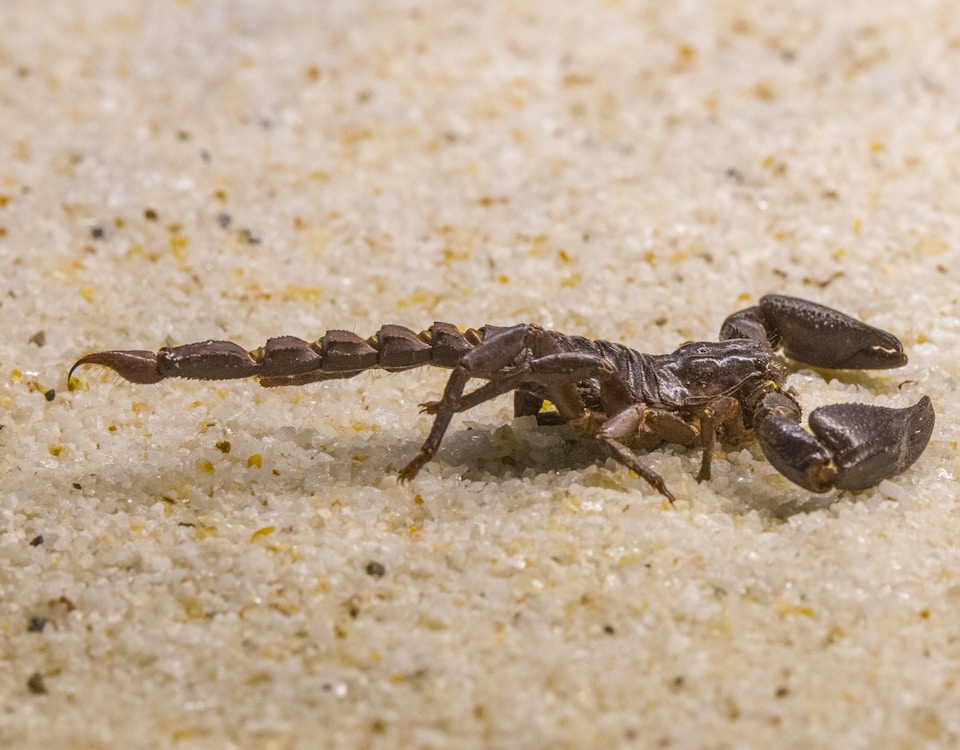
point(200, 565)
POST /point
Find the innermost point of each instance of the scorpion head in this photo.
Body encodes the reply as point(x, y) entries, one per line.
point(705, 370)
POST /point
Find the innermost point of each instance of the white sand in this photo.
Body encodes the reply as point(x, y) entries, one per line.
point(631, 171)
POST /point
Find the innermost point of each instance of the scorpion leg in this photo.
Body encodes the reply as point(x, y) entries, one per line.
point(815, 334)
point(723, 412)
point(552, 370)
point(649, 427)
point(629, 459)
point(502, 350)
point(558, 373)
point(445, 410)
point(849, 446)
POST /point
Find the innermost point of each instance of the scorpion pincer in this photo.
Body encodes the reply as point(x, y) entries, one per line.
point(701, 393)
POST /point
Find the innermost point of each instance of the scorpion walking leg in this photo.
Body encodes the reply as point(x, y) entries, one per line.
point(629, 459)
point(723, 412)
point(446, 408)
point(554, 371)
point(486, 392)
point(499, 352)
point(650, 426)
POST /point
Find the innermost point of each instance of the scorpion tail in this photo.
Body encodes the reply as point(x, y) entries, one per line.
point(287, 360)
point(135, 366)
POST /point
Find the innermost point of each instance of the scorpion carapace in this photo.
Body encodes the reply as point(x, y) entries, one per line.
point(626, 400)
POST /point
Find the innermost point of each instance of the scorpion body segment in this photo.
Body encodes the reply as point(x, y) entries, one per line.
point(627, 400)
point(288, 360)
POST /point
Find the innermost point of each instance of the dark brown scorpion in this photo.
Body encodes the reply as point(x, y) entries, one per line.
point(627, 400)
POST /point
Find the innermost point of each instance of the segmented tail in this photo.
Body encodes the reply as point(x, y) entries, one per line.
point(288, 360)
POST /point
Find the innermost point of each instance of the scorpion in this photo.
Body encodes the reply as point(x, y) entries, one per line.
point(702, 393)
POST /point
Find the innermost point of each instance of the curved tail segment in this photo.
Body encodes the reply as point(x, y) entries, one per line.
point(287, 360)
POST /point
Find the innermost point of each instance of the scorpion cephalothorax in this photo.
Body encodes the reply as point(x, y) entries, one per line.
point(627, 400)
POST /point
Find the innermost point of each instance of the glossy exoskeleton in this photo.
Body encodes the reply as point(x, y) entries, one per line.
point(702, 392)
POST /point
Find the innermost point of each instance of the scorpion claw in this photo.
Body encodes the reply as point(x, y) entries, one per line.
point(136, 366)
point(849, 446)
point(429, 407)
point(824, 337)
point(816, 335)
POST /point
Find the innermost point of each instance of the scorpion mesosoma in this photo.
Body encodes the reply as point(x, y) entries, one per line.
point(624, 399)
